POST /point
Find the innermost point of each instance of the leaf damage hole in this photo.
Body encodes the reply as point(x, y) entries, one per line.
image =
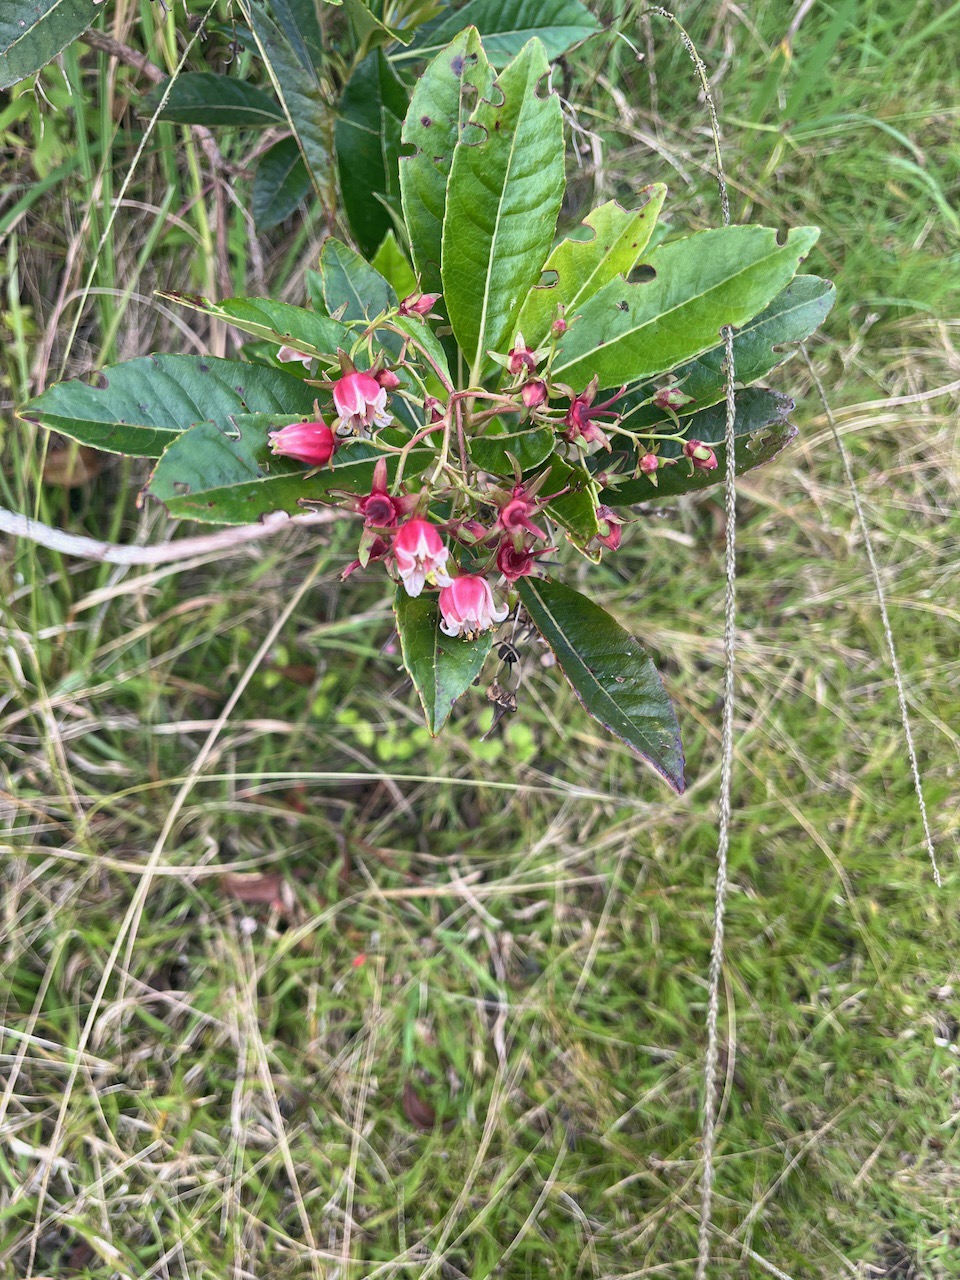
point(102, 381)
point(642, 273)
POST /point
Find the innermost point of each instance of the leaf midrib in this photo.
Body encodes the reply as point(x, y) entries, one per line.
point(617, 710)
point(659, 317)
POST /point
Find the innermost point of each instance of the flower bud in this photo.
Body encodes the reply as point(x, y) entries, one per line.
point(418, 304)
point(534, 393)
point(671, 398)
point(700, 454)
point(309, 442)
point(559, 326)
point(649, 463)
point(387, 379)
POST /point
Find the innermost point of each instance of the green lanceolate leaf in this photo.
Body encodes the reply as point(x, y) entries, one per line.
point(758, 347)
point(368, 149)
point(298, 19)
point(224, 472)
point(32, 32)
point(280, 184)
point(201, 97)
point(356, 291)
point(441, 667)
point(762, 429)
point(507, 25)
point(392, 264)
point(300, 92)
point(442, 101)
point(503, 196)
point(611, 244)
point(139, 406)
point(352, 288)
point(494, 452)
point(709, 280)
point(276, 322)
point(611, 673)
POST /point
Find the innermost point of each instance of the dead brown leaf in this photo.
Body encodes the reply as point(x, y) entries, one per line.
point(70, 467)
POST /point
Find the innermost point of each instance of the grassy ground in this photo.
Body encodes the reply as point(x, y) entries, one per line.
point(463, 1035)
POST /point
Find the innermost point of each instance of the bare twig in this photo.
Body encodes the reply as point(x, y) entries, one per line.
point(224, 541)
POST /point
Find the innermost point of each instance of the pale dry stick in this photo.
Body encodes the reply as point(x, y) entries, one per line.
point(72, 544)
point(884, 616)
point(712, 1059)
point(130, 924)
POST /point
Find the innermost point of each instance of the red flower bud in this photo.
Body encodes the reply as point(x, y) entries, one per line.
point(418, 304)
point(309, 442)
point(648, 463)
point(672, 398)
point(700, 454)
point(560, 326)
point(387, 379)
point(534, 393)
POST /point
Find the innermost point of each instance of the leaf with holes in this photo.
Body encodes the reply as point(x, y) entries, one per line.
point(224, 472)
point(503, 196)
point(611, 243)
point(762, 429)
point(368, 149)
point(280, 185)
point(507, 25)
point(32, 32)
point(441, 667)
point(702, 283)
point(611, 673)
point(201, 97)
point(442, 100)
point(275, 322)
point(761, 345)
point(139, 406)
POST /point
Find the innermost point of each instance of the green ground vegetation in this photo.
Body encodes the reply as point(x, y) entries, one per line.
point(291, 990)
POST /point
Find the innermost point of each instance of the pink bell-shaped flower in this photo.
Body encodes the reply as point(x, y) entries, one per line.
point(360, 401)
point(467, 606)
point(420, 555)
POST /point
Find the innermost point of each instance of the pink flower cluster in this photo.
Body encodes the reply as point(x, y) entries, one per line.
point(396, 529)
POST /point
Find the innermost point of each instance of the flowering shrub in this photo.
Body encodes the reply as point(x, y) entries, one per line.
point(514, 402)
